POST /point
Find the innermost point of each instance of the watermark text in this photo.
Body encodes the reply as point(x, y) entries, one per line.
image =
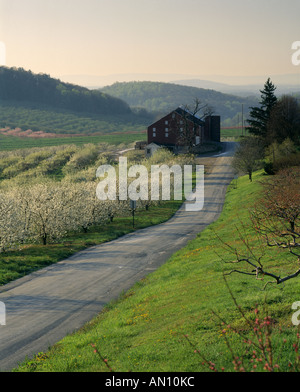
point(2, 314)
point(296, 54)
point(136, 183)
point(296, 315)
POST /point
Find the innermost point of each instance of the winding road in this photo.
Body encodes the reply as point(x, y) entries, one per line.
point(45, 306)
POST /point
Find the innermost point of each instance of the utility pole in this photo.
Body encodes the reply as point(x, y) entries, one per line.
point(242, 119)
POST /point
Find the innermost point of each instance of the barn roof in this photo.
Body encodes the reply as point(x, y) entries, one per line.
point(184, 113)
point(189, 115)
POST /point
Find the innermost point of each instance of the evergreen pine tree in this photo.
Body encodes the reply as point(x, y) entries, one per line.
point(260, 116)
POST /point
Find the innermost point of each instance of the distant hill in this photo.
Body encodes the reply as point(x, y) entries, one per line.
point(225, 84)
point(162, 97)
point(40, 103)
point(243, 90)
point(16, 84)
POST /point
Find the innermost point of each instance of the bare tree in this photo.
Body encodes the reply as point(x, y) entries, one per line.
point(275, 219)
point(248, 155)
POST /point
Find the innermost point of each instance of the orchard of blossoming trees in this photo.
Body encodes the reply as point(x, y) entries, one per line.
point(47, 193)
point(48, 211)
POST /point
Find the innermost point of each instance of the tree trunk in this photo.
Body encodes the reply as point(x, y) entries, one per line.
point(45, 239)
point(292, 226)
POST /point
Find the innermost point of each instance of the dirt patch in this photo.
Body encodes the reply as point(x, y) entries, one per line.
point(18, 132)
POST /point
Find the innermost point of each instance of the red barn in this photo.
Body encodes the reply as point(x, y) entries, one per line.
point(180, 130)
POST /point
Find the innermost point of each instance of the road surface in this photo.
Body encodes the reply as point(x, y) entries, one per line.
point(45, 306)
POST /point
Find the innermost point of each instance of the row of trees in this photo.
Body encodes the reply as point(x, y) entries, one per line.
point(49, 192)
point(47, 212)
point(39, 117)
point(58, 160)
point(45, 209)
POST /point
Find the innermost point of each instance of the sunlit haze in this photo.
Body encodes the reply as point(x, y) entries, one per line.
point(214, 39)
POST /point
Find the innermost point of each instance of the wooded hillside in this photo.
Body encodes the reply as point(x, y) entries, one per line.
point(163, 97)
point(40, 103)
point(16, 84)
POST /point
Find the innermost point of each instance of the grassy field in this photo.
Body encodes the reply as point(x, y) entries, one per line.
point(170, 321)
point(233, 133)
point(9, 143)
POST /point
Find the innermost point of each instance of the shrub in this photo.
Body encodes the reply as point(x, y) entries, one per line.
point(82, 159)
point(269, 167)
point(285, 162)
point(281, 156)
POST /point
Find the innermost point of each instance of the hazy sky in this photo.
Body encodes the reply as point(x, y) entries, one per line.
point(195, 37)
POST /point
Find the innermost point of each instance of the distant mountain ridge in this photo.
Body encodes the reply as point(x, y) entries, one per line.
point(239, 90)
point(227, 84)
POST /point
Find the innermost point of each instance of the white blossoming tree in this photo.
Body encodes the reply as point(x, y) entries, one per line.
point(11, 229)
point(46, 209)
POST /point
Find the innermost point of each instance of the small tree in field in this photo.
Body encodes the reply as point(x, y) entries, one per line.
point(248, 156)
point(11, 230)
point(87, 210)
point(46, 211)
point(282, 199)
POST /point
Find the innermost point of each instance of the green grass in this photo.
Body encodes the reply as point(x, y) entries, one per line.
point(233, 133)
point(144, 330)
point(9, 143)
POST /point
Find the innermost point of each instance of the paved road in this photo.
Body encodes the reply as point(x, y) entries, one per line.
point(47, 305)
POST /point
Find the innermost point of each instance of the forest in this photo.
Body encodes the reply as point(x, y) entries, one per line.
point(163, 97)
